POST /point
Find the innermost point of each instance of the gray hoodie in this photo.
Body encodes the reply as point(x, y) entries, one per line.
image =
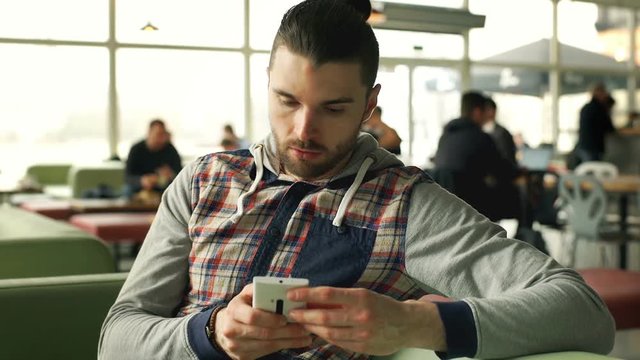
point(511, 299)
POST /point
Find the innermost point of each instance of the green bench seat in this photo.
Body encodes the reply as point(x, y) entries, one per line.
point(55, 317)
point(32, 245)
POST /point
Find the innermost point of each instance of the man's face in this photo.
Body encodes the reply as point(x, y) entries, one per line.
point(490, 114)
point(479, 115)
point(316, 113)
point(157, 137)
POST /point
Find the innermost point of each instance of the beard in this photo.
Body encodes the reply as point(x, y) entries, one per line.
point(314, 169)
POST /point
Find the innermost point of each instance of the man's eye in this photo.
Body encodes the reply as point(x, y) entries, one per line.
point(289, 103)
point(335, 110)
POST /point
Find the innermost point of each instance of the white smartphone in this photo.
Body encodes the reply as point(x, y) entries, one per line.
point(270, 294)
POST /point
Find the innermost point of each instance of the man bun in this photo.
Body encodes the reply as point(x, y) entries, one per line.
point(361, 6)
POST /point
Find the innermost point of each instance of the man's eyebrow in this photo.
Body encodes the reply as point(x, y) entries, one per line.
point(340, 100)
point(283, 93)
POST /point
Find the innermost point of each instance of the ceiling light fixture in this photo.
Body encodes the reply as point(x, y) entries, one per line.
point(409, 17)
point(149, 27)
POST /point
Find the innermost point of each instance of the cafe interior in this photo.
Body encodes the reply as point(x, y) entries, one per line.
point(80, 82)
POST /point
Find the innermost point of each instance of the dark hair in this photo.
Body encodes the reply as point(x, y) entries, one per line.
point(228, 142)
point(331, 31)
point(490, 103)
point(472, 100)
point(156, 122)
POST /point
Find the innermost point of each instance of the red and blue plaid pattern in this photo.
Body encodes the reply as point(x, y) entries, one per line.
point(223, 252)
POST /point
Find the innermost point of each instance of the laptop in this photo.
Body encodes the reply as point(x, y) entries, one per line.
point(536, 159)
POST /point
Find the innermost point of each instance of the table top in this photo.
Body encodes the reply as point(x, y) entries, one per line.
point(622, 184)
point(110, 205)
point(626, 183)
point(10, 190)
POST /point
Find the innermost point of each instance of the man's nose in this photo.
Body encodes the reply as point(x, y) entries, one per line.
point(305, 124)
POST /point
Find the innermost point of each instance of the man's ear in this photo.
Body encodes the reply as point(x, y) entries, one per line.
point(372, 102)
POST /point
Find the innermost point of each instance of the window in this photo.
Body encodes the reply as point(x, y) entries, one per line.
point(522, 97)
point(436, 101)
point(259, 96)
point(439, 3)
point(575, 94)
point(601, 32)
point(195, 92)
point(394, 101)
point(216, 23)
point(58, 20)
point(509, 25)
point(265, 20)
point(54, 105)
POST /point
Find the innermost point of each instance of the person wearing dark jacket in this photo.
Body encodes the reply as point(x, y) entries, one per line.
point(595, 124)
point(500, 135)
point(153, 162)
point(468, 163)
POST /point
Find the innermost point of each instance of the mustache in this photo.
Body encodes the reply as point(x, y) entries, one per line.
point(306, 145)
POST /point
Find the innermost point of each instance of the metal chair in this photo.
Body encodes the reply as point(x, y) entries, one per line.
point(585, 204)
point(599, 169)
point(602, 170)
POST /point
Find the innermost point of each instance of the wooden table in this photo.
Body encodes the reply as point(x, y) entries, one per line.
point(86, 206)
point(115, 228)
point(623, 184)
point(7, 191)
point(62, 209)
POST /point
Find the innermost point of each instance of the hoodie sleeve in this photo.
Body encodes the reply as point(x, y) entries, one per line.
point(142, 323)
point(511, 299)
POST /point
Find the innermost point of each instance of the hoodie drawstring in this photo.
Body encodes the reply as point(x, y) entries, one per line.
point(259, 171)
point(342, 209)
point(344, 203)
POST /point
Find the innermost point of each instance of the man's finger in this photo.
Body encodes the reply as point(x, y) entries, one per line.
point(328, 295)
point(258, 348)
point(340, 334)
point(329, 317)
point(250, 332)
point(247, 315)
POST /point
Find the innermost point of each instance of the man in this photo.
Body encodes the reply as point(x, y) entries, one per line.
point(468, 162)
point(153, 162)
point(316, 200)
point(595, 124)
point(501, 136)
point(387, 137)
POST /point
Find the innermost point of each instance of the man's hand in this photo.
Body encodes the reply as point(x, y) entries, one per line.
point(247, 333)
point(166, 172)
point(363, 321)
point(148, 182)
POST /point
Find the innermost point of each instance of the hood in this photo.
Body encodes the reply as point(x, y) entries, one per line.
point(366, 146)
point(367, 156)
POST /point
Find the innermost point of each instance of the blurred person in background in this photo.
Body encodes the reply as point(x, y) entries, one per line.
point(153, 162)
point(387, 137)
point(231, 141)
point(595, 124)
point(469, 164)
point(500, 135)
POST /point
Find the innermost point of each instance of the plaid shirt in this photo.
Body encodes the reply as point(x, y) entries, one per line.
point(286, 230)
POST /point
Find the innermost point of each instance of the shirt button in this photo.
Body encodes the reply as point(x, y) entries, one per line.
point(274, 231)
